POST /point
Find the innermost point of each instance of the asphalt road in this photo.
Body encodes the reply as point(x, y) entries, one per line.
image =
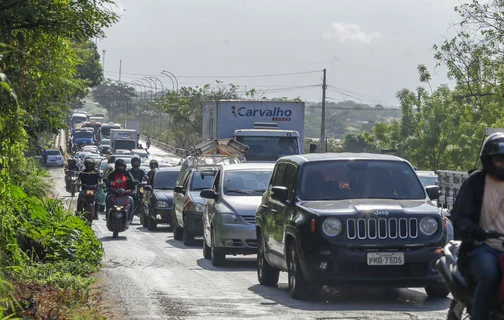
point(149, 275)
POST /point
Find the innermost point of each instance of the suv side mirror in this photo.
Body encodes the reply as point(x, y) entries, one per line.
point(179, 189)
point(208, 194)
point(147, 187)
point(432, 192)
point(279, 194)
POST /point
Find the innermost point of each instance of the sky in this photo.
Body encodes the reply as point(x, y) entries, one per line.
point(370, 48)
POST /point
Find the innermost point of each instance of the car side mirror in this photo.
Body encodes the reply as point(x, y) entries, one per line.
point(147, 187)
point(432, 192)
point(208, 194)
point(279, 194)
point(179, 189)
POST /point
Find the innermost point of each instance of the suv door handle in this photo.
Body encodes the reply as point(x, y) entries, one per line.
point(264, 206)
point(274, 210)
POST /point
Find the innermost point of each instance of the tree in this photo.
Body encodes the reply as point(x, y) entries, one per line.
point(364, 142)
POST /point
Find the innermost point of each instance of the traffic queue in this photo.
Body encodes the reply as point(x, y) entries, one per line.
point(343, 219)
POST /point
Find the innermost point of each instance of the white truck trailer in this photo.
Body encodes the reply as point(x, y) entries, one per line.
point(271, 129)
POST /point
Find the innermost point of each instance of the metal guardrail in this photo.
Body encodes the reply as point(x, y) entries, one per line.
point(160, 145)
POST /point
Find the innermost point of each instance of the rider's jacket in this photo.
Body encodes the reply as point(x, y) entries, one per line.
point(137, 174)
point(118, 180)
point(72, 167)
point(89, 177)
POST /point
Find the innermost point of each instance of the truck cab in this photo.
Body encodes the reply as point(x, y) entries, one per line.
point(267, 143)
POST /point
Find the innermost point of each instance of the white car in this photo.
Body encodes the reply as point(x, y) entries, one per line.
point(54, 158)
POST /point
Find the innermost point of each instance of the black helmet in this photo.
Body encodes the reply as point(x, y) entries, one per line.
point(72, 161)
point(136, 158)
point(120, 162)
point(493, 146)
point(153, 164)
point(89, 163)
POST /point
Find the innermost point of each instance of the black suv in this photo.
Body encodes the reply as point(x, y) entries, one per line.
point(346, 220)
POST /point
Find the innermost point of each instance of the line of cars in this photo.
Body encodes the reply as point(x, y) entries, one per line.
point(325, 219)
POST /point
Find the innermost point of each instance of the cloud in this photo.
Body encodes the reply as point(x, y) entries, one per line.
point(350, 32)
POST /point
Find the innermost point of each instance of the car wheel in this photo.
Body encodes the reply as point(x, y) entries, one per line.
point(187, 237)
point(151, 223)
point(177, 231)
point(267, 275)
point(207, 251)
point(144, 219)
point(437, 291)
point(298, 286)
point(218, 257)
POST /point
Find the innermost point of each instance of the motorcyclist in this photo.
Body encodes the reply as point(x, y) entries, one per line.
point(71, 166)
point(120, 178)
point(153, 165)
point(88, 177)
point(138, 174)
point(479, 206)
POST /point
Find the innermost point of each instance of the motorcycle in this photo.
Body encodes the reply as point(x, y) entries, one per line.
point(461, 290)
point(74, 176)
point(137, 196)
point(89, 202)
point(117, 216)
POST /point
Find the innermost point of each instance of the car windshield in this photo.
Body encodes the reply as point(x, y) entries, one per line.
point(268, 148)
point(53, 153)
point(359, 179)
point(428, 181)
point(83, 134)
point(246, 182)
point(202, 180)
point(165, 180)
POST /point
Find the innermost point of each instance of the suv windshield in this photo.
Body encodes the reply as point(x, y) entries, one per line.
point(428, 181)
point(361, 179)
point(165, 180)
point(202, 180)
point(54, 152)
point(246, 182)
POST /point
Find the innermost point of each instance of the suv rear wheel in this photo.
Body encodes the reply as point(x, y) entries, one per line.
point(298, 286)
point(267, 275)
point(437, 291)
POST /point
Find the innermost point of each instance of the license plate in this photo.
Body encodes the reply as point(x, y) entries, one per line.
point(385, 259)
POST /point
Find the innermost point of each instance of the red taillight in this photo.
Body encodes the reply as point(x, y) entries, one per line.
point(313, 225)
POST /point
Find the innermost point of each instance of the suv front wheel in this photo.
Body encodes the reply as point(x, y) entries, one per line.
point(267, 275)
point(298, 286)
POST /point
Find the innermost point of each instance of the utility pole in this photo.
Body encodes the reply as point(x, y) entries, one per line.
point(120, 69)
point(103, 60)
point(322, 124)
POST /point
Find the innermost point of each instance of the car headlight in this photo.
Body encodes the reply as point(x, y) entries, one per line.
point(428, 226)
point(162, 204)
point(332, 227)
point(230, 218)
point(199, 207)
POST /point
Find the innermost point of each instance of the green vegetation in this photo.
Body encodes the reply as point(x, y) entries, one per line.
point(47, 64)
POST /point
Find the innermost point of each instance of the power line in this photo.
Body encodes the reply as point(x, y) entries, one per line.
point(222, 77)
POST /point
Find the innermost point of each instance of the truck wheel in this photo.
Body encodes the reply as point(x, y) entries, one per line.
point(299, 288)
point(187, 237)
point(218, 258)
point(207, 251)
point(267, 275)
point(437, 291)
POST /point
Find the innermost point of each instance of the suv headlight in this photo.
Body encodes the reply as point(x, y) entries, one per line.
point(230, 218)
point(162, 204)
point(332, 227)
point(199, 207)
point(428, 226)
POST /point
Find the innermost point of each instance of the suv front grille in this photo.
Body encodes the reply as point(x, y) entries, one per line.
point(382, 228)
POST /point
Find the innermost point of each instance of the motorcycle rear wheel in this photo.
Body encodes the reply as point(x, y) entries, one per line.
point(457, 311)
